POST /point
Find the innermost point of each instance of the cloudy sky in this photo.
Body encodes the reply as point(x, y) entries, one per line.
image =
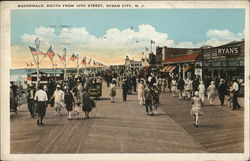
point(109, 35)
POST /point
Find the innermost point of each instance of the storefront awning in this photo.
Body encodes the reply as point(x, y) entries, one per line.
point(172, 68)
point(165, 69)
point(187, 68)
point(183, 58)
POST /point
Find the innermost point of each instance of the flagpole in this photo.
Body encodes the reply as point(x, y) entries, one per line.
point(65, 70)
point(37, 42)
point(78, 66)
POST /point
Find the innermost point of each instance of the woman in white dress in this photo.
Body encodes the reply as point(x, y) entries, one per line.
point(140, 90)
point(202, 90)
point(196, 107)
point(174, 87)
point(211, 93)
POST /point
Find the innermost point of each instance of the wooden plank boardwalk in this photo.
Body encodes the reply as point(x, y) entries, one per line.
point(221, 129)
point(124, 127)
point(117, 127)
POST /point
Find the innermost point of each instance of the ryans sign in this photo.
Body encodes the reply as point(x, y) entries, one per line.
point(228, 51)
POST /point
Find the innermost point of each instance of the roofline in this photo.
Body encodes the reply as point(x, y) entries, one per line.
point(228, 44)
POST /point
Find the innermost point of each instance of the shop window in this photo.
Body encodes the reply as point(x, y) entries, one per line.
point(206, 64)
point(224, 63)
point(216, 63)
point(233, 63)
point(241, 62)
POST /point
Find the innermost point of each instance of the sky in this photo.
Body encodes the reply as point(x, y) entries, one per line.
point(108, 36)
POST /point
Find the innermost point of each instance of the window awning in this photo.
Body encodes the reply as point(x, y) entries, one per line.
point(187, 68)
point(172, 68)
point(183, 58)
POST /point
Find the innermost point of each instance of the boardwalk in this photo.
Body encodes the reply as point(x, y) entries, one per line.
point(124, 127)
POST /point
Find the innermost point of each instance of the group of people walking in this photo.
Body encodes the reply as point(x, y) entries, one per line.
point(59, 95)
point(74, 93)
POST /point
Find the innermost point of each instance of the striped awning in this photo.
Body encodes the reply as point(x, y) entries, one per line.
point(172, 69)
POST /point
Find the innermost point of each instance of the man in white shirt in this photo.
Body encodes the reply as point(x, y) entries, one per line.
point(41, 100)
point(235, 90)
point(59, 100)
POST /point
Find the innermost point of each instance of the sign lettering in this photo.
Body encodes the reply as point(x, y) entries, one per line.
point(228, 51)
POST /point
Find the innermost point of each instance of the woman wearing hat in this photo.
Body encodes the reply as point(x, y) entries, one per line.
point(196, 107)
point(211, 93)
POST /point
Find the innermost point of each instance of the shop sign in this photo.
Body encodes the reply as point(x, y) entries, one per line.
point(228, 51)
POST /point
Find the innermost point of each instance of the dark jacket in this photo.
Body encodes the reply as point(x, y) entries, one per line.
point(222, 90)
point(69, 100)
point(181, 84)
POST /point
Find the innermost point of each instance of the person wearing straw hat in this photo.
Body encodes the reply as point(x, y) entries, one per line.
point(211, 92)
point(196, 108)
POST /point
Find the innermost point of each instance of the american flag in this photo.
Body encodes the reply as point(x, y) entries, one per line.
point(73, 57)
point(84, 60)
point(50, 53)
point(62, 58)
point(34, 51)
point(89, 61)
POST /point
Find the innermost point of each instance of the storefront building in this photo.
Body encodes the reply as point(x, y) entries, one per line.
point(225, 61)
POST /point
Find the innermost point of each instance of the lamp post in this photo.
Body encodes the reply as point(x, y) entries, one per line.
point(37, 42)
point(65, 52)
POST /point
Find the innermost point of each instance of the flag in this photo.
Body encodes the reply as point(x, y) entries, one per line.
point(89, 61)
point(34, 51)
point(73, 57)
point(84, 60)
point(146, 49)
point(152, 42)
point(62, 58)
point(50, 53)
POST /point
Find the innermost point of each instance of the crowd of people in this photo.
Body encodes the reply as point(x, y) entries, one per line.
point(73, 93)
